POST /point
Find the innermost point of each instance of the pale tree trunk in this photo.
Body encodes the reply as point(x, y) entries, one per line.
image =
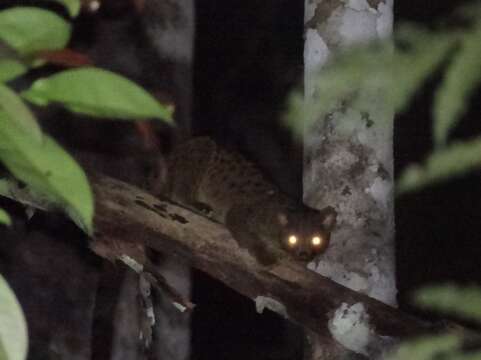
point(349, 164)
point(169, 26)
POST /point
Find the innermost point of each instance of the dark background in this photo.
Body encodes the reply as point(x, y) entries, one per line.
point(248, 56)
point(242, 75)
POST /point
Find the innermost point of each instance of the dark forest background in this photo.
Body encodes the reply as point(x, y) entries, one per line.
point(248, 55)
point(437, 229)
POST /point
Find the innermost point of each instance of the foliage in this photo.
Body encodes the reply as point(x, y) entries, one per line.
point(72, 6)
point(4, 218)
point(454, 160)
point(10, 69)
point(47, 176)
point(52, 177)
point(464, 302)
point(460, 79)
point(452, 299)
point(98, 93)
point(47, 169)
point(427, 347)
point(401, 73)
point(392, 74)
point(31, 29)
point(14, 108)
point(13, 329)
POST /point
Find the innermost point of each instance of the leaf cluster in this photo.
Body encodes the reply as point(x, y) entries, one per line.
point(13, 328)
point(32, 156)
point(50, 175)
point(463, 302)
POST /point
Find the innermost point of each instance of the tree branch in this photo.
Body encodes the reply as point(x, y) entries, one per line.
point(127, 214)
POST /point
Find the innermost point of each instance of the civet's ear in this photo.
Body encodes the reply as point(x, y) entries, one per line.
point(328, 218)
point(282, 219)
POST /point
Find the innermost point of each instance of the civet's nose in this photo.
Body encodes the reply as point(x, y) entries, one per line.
point(303, 254)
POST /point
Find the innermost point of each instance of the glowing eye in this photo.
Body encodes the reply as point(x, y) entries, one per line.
point(292, 240)
point(316, 240)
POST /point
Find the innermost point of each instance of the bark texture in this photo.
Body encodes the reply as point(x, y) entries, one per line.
point(125, 214)
point(348, 160)
point(170, 28)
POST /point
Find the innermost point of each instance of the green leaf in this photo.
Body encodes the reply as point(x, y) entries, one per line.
point(357, 76)
point(13, 328)
point(31, 29)
point(452, 299)
point(460, 80)
point(3, 353)
point(21, 116)
point(98, 93)
point(410, 68)
point(16, 190)
point(472, 355)
point(10, 69)
point(455, 160)
point(48, 171)
point(427, 348)
point(73, 6)
point(4, 218)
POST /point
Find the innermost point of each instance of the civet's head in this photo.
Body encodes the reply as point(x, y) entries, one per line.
point(306, 233)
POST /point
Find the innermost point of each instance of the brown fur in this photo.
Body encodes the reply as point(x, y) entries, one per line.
point(206, 176)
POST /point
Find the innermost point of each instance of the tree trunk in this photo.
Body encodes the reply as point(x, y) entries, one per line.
point(349, 165)
point(170, 26)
